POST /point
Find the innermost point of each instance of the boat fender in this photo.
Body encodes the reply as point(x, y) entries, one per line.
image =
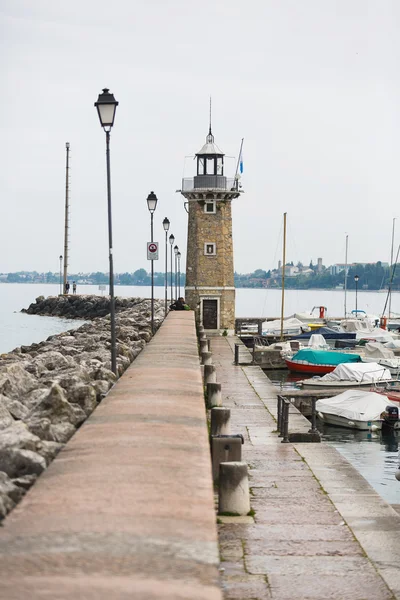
point(320, 415)
point(351, 423)
point(374, 428)
point(397, 474)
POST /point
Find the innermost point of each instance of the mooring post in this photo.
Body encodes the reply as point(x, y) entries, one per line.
point(279, 415)
point(254, 351)
point(236, 354)
point(214, 395)
point(220, 420)
point(225, 448)
point(210, 374)
point(206, 358)
point(233, 490)
point(203, 346)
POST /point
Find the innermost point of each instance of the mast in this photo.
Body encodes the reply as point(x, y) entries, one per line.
point(345, 277)
point(391, 269)
point(66, 224)
point(283, 273)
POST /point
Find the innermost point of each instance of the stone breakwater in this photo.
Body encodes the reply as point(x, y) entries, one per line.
point(47, 390)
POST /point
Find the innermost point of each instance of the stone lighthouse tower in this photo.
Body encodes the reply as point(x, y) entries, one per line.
point(210, 288)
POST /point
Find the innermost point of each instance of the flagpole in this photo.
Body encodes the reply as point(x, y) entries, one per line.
point(238, 162)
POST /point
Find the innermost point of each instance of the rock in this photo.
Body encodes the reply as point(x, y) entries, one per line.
point(56, 407)
point(49, 450)
point(15, 408)
point(18, 435)
point(85, 396)
point(17, 462)
point(6, 504)
point(62, 432)
point(15, 381)
point(5, 416)
point(8, 488)
point(25, 481)
point(40, 426)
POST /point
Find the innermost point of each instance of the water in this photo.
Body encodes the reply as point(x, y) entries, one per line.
point(374, 455)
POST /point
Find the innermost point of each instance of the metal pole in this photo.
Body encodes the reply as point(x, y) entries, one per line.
point(66, 224)
point(236, 354)
point(391, 270)
point(179, 275)
point(110, 245)
point(313, 417)
point(172, 294)
point(283, 273)
point(345, 278)
point(285, 422)
point(176, 277)
point(60, 273)
point(166, 272)
point(152, 279)
point(356, 297)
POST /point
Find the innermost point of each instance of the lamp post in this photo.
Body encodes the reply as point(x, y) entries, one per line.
point(176, 250)
point(152, 205)
point(60, 259)
point(166, 228)
point(106, 106)
point(356, 278)
point(171, 241)
point(179, 274)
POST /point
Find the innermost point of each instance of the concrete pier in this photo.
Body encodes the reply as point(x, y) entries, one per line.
point(126, 510)
point(319, 530)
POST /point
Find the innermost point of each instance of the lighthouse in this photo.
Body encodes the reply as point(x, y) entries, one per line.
point(210, 288)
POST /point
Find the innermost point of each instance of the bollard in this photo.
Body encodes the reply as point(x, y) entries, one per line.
point(200, 329)
point(285, 430)
point(204, 346)
point(220, 420)
point(225, 448)
point(209, 344)
point(210, 374)
point(206, 358)
point(214, 396)
point(233, 491)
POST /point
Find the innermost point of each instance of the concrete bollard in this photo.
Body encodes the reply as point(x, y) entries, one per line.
point(210, 374)
point(206, 358)
point(225, 448)
point(220, 420)
point(233, 491)
point(203, 346)
point(200, 329)
point(214, 396)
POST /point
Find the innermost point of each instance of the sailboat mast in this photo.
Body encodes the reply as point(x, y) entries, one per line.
point(66, 220)
point(391, 269)
point(345, 277)
point(283, 273)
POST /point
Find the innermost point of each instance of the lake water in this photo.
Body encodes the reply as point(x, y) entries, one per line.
point(373, 456)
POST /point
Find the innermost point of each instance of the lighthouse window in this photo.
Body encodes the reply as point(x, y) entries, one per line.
point(210, 166)
point(210, 206)
point(220, 166)
point(209, 249)
point(200, 166)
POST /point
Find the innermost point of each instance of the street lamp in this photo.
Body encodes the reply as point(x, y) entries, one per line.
point(356, 278)
point(176, 250)
point(106, 106)
point(179, 274)
point(152, 205)
point(166, 228)
point(60, 259)
point(171, 241)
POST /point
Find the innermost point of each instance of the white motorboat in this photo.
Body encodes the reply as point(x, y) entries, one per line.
point(358, 409)
point(348, 375)
point(375, 352)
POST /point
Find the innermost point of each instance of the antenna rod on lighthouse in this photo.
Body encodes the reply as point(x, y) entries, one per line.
point(65, 278)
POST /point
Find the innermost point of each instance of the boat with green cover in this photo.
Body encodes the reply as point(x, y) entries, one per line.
point(319, 362)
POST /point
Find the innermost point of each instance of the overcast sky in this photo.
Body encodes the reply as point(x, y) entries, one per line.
point(312, 86)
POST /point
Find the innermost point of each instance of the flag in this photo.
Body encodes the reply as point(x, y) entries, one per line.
point(241, 162)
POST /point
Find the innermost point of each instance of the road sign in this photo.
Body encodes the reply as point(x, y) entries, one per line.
point(152, 250)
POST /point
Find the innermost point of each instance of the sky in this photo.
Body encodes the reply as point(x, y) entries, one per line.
point(312, 86)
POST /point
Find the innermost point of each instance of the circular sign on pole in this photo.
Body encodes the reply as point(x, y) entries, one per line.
point(152, 251)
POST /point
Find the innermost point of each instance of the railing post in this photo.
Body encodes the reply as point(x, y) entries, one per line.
point(260, 327)
point(236, 354)
point(254, 351)
point(286, 405)
point(313, 417)
point(279, 414)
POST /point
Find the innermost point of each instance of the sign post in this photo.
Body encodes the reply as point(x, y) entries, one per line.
point(152, 250)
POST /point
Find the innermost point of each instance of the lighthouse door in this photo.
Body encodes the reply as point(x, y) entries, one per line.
point(210, 314)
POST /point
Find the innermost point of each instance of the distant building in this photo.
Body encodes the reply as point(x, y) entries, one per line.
point(319, 265)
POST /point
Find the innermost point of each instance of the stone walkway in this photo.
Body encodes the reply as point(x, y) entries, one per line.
point(319, 530)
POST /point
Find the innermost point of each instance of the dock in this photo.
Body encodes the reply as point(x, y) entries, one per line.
point(127, 508)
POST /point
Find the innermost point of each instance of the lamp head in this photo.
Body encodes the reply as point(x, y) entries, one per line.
point(166, 224)
point(356, 278)
point(106, 106)
point(171, 239)
point(152, 202)
point(176, 250)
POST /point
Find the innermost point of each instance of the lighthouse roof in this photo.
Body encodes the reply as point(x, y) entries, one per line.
point(210, 147)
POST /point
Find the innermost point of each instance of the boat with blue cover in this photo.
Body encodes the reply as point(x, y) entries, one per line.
point(318, 362)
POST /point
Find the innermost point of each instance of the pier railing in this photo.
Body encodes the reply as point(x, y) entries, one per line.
point(283, 412)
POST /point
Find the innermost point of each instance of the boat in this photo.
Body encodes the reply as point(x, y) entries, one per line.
point(283, 329)
point(328, 333)
point(358, 409)
point(317, 362)
point(391, 390)
point(348, 375)
point(377, 352)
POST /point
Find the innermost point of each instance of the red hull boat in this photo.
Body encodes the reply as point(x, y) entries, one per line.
point(309, 368)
